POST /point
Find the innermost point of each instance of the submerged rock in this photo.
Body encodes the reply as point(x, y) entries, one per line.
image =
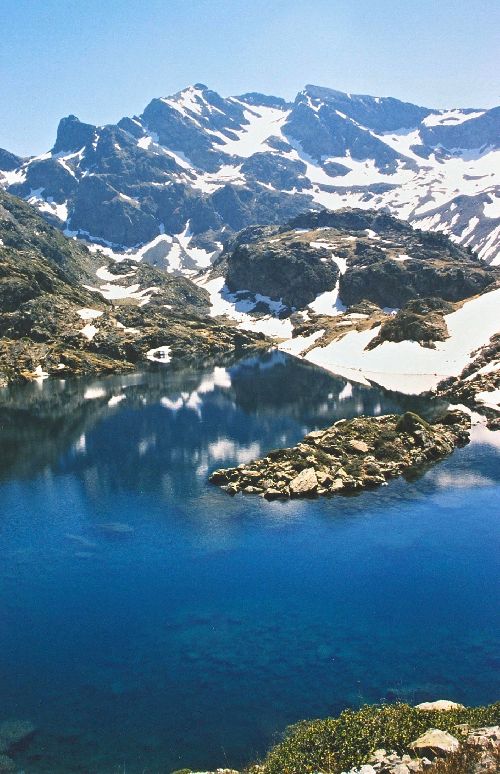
point(14, 734)
point(348, 456)
point(116, 528)
point(7, 764)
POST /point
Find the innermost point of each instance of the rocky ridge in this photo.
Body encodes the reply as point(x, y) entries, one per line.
point(194, 168)
point(349, 456)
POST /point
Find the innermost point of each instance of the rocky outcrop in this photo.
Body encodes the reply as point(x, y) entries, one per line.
point(441, 705)
point(280, 266)
point(374, 260)
point(435, 743)
point(8, 160)
point(217, 771)
point(471, 751)
point(348, 456)
point(421, 320)
point(431, 266)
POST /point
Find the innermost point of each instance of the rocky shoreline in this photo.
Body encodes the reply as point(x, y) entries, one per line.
point(347, 457)
point(467, 749)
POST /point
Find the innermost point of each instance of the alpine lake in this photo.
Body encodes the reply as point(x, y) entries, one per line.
point(150, 622)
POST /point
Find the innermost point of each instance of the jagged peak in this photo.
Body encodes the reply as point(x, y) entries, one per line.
point(72, 134)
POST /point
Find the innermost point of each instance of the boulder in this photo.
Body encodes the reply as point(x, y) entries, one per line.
point(217, 771)
point(358, 446)
point(435, 743)
point(411, 423)
point(485, 737)
point(305, 483)
point(440, 704)
point(273, 494)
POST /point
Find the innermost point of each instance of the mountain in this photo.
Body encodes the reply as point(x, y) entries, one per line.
point(358, 292)
point(55, 321)
point(177, 182)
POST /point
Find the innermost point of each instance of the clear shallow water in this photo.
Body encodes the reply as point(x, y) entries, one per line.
point(198, 634)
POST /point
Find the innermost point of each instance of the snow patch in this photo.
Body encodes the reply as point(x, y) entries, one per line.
point(89, 314)
point(116, 399)
point(89, 331)
point(406, 366)
point(159, 355)
point(263, 123)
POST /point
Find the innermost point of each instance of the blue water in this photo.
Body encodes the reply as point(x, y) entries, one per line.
point(197, 633)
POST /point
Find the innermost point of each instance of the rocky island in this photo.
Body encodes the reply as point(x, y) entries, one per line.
point(349, 456)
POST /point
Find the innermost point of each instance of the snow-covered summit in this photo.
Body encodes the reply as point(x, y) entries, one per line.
point(201, 164)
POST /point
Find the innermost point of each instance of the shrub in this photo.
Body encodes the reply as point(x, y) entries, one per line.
point(333, 745)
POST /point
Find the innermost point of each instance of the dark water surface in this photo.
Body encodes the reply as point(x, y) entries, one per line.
point(149, 621)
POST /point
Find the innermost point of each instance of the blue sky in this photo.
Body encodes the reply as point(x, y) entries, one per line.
point(102, 59)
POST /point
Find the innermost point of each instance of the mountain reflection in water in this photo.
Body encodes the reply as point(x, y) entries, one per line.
point(215, 415)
